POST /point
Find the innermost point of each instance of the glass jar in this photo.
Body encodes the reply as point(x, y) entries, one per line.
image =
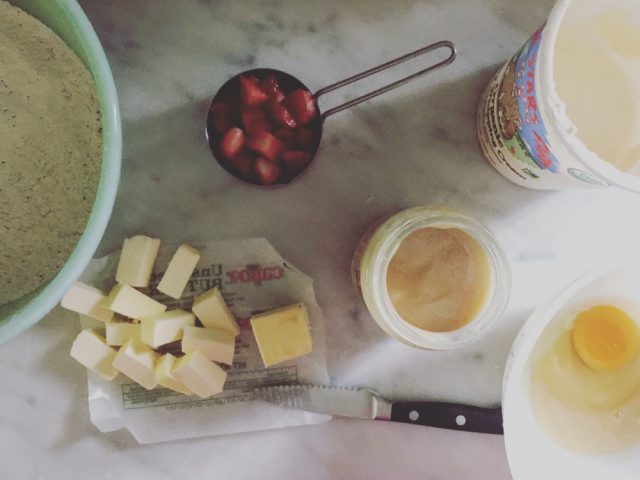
point(379, 245)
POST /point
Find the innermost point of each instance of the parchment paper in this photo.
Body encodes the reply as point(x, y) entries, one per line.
point(252, 277)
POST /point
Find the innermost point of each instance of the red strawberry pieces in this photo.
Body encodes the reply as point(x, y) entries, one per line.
point(221, 116)
point(302, 105)
point(250, 92)
point(267, 171)
point(265, 144)
point(280, 115)
point(254, 119)
point(271, 87)
point(232, 142)
point(256, 128)
point(296, 160)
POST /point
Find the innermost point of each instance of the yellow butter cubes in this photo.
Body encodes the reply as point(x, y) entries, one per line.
point(165, 327)
point(282, 334)
point(128, 301)
point(179, 271)
point(91, 350)
point(216, 345)
point(211, 310)
point(138, 362)
point(87, 300)
point(136, 260)
point(165, 376)
point(200, 375)
point(119, 333)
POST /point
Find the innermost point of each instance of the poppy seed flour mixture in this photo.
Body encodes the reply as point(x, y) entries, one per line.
point(50, 152)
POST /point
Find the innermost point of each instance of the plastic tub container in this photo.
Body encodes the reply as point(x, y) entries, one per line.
point(531, 453)
point(377, 248)
point(66, 18)
point(523, 127)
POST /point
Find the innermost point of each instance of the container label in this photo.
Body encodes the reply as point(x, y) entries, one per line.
point(511, 125)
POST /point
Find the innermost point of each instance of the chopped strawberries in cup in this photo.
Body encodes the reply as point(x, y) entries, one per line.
point(254, 119)
point(243, 163)
point(302, 105)
point(221, 115)
point(280, 115)
point(296, 160)
point(267, 171)
point(250, 92)
point(270, 86)
point(232, 142)
point(255, 127)
point(265, 144)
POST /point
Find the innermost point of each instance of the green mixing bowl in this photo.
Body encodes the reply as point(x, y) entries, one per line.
point(66, 18)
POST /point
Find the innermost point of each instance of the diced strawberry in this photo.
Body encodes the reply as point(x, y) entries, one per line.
point(250, 92)
point(295, 160)
point(280, 115)
point(286, 136)
point(304, 138)
point(302, 105)
point(267, 171)
point(232, 142)
point(243, 163)
point(253, 119)
point(263, 143)
point(270, 86)
point(221, 117)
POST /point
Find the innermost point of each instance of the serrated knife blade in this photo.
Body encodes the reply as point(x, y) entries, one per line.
point(367, 404)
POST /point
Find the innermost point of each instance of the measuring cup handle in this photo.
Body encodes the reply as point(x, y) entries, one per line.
point(429, 48)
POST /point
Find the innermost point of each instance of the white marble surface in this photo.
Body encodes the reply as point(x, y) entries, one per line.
point(412, 147)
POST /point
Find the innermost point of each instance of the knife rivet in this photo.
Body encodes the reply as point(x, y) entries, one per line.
point(461, 420)
point(414, 415)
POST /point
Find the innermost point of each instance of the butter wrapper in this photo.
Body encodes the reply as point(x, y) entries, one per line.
point(252, 277)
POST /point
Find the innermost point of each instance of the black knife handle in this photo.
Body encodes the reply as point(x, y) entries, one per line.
point(452, 416)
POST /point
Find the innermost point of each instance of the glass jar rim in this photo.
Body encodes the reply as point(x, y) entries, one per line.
point(382, 246)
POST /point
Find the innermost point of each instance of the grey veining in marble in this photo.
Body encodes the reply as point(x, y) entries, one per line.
point(414, 146)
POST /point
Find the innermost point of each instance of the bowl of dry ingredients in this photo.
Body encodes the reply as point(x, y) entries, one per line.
point(60, 153)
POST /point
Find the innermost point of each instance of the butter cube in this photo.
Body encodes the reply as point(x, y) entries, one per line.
point(216, 345)
point(179, 271)
point(165, 376)
point(211, 310)
point(199, 374)
point(136, 260)
point(119, 333)
point(165, 327)
point(138, 362)
point(129, 302)
point(282, 334)
point(90, 350)
point(84, 299)
point(90, 323)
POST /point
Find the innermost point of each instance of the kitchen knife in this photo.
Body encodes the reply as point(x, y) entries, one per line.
point(367, 404)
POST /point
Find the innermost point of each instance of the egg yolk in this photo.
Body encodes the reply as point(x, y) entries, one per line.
point(605, 337)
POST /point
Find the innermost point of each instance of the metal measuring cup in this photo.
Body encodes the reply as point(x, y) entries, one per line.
point(289, 83)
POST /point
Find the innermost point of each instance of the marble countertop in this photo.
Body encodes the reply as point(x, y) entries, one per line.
point(414, 146)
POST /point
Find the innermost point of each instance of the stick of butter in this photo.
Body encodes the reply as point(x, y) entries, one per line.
point(90, 350)
point(136, 260)
point(86, 300)
point(138, 362)
point(165, 376)
point(216, 345)
point(199, 374)
point(129, 302)
point(119, 333)
point(179, 271)
point(165, 327)
point(211, 310)
point(282, 334)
